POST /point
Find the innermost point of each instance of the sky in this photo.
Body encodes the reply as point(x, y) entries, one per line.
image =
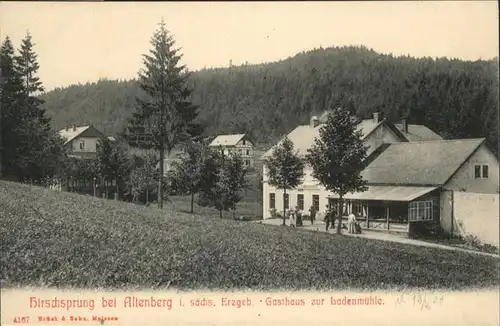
point(77, 42)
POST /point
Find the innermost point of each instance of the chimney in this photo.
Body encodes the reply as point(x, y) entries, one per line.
point(74, 127)
point(67, 128)
point(314, 122)
point(376, 117)
point(404, 125)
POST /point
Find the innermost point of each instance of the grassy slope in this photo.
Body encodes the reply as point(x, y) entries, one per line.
point(63, 239)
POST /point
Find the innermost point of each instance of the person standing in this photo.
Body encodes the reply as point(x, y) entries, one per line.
point(312, 214)
point(292, 218)
point(328, 217)
point(298, 216)
point(351, 223)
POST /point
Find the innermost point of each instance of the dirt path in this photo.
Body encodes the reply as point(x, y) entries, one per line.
point(319, 226)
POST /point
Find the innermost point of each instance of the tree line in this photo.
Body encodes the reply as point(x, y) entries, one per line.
point(455, 98)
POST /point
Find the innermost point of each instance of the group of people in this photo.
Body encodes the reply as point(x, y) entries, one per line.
point(330, 217)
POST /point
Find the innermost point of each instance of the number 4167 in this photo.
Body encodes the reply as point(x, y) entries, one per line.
point(21, 320)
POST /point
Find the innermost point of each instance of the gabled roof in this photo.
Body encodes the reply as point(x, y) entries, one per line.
point(419, 133)
point(70, 133)
point(421, 162)
point(303, 137)
point(227, 140)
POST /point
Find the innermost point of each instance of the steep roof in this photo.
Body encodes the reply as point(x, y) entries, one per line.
point(421, 162)
point(419, 133)
point(70, 133)
point(303, 136)
point(227, 140)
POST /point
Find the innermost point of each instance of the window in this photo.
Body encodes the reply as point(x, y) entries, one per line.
point(315, 199)
point(244, 142)
point(286, 201)
point(248, 152)
point(420, 211)
point(300, 201)
point(247, 162)
point(481, 171)
point(82, 144)
point(272, 200)
point(485, 172)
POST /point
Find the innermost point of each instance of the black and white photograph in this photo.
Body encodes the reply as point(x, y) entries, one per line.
point(251, 163)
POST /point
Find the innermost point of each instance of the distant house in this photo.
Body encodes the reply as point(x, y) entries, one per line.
point(239, 143)
point(82, 141)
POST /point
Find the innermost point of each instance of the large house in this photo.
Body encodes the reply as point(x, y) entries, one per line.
point(409, 168)
point(239, 143)
point(82, 141)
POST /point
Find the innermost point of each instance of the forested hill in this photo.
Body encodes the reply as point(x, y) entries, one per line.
point(455, 98)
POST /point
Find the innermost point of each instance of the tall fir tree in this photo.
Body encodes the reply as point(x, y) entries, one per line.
point(337, 156)
point(164, 115)
point(35, 131)
point(10, 116)
point(30, 149)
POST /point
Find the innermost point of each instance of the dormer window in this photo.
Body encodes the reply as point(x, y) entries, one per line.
point(481, 171)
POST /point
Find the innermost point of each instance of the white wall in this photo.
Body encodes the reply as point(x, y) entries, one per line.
point(308, 199)
point(90, 144)
point(475, 214)
point(464, 179)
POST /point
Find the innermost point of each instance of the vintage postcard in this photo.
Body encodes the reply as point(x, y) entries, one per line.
point(249, 163)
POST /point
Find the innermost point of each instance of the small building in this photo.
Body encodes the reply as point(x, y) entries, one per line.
point(82, 141)
point(239, 143)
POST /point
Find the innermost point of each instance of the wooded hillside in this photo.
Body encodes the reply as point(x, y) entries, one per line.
point(455, 98)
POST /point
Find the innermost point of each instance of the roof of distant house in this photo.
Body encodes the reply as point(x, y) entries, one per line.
point(303, 136)
point(419, 132)
point(421, 162)
point(70, 133)
point(227, 140)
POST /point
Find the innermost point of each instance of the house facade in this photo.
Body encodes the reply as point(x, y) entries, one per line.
point(238, 143)
point(408, 170)
point(81, 141)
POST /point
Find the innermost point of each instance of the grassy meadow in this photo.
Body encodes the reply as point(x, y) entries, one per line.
point(62, 239)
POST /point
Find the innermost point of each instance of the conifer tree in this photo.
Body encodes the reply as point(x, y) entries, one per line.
point(164, 115)
point(10, 117)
